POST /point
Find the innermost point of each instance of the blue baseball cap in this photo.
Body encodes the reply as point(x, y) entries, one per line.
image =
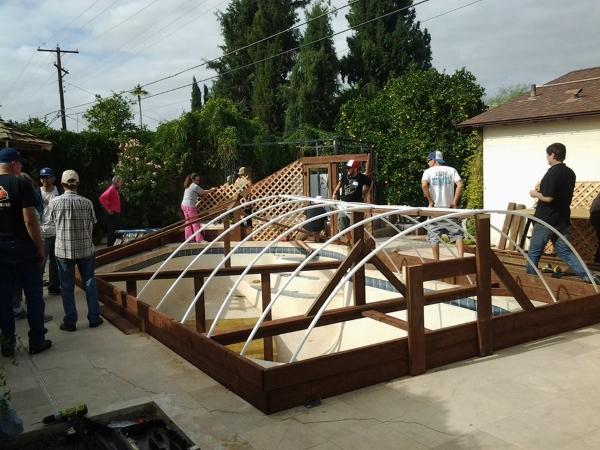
point(46, 172)
point(8, 155)
point(436, 156)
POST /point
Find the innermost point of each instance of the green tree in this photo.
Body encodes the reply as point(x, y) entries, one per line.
point(235, 80)
point(313, 82)
point(139, 92)
point(506, 94)
point(196, 95)
point(206, 94)
point(270, 76)
point(413, 115)
point(386, 47)
point(111, 114)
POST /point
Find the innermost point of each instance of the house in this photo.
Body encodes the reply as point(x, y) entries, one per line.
point(516, 134)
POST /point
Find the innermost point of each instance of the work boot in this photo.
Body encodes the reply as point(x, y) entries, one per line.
point(45, 345)
point(98, 323)
point(68, 327)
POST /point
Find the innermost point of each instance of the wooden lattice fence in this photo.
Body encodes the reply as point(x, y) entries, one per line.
point(583, 235)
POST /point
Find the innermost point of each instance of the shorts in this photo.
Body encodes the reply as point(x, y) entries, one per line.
point(450, 227)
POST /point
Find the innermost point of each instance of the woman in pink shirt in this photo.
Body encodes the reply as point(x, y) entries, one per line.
point(188, 204)
point(111, 202)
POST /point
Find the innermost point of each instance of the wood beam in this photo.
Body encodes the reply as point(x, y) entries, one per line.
point(485, 331)
point(265, 284)
point(388, 320)
point(449, 268)
point(416, 320)
point(509, 282)
point(199, 307)
point(387, 273)
point(352, 258)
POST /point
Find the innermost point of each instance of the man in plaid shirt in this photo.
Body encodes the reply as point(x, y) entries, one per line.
point(74, 219)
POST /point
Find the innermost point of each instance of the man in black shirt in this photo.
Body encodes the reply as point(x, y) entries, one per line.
point(353, 186)
point(21, 254)
point(554, 196)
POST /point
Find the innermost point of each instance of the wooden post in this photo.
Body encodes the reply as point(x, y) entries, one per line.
point(226, 242)
point(484, 288)
point(199, 307)
point(416, 320)
point(358, 280)
point(265, 284)
point(131, 287)
point(236, 234)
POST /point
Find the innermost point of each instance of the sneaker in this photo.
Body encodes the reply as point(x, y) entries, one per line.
point(68, 327)
point(45, 345)
point(98, 323)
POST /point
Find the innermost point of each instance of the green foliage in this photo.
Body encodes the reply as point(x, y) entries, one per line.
point(413, 115)
point(236, 25)
point(313, 82)
point(270, 76)
point(110, 115)
point(196, 95)
point(473, 194)
point(506, 94)
point(206, 94)
point(386, 47)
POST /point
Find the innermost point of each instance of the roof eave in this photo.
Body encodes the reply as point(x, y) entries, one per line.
point(526, 119)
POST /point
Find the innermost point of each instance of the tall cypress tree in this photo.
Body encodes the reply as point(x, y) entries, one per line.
point(313, 82)
point(236, 26)
point(206, 94)
point(196, 96)
point(270, 77)
point(386, 47)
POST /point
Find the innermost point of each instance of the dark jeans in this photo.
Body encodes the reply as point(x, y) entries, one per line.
point(18, 264)
point(53, 282)
point(597, 258)
point(540, 237)
point(112, 225)
point(66, 271)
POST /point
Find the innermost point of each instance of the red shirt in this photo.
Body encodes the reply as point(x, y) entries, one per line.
point(110, 199)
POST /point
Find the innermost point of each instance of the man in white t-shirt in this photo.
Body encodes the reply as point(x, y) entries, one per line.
point(438, 186)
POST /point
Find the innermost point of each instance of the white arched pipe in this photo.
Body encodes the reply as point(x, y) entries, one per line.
point(301, 266)
point(225, 302)
point(560, 236)
point(213, 243)
point(232, 251)
point(202, 228)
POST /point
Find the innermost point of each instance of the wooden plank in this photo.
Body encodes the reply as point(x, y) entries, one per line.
point(296, 323)
point(362, 157)
point(224, 271)
point(388, 320)
point(449, 267)
point(416, 320)
point(304, 246)
point(509, 282)
point(226, 241)
point(131, 287)
point(118, 320)
point(484, 295)
point(446, 295)
point(517, 224)
point(506, 226)
point(265, 284)
point(388, 274)
point(336, 277)
point(199, 307)
point(359, 278)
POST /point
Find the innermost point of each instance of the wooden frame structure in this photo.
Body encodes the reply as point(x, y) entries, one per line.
point(279, 387)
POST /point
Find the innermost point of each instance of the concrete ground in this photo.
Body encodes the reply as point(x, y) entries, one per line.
point(540, 395)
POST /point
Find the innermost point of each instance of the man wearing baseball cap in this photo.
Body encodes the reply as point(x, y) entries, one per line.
point(353, 186)
point(21, 254)
point(438, 185)
point(48, 191)
point(74, 219)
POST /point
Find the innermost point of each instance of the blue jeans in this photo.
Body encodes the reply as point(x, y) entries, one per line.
point(18, 265)
point(540, 237)
point(53, 283)
point(66, 273)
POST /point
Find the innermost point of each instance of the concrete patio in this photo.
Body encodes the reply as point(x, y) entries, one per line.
point(540, 395)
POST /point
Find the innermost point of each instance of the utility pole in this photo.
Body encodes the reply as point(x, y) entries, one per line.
point(61, 73)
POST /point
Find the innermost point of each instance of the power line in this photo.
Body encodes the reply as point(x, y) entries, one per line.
point(253, 43)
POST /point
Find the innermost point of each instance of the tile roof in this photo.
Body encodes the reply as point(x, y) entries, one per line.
point(11, 136)
point(574, 94)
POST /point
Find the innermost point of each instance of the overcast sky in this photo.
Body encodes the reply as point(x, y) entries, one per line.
point(125, 42)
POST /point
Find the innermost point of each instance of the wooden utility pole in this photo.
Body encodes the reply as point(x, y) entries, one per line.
point(61, 73)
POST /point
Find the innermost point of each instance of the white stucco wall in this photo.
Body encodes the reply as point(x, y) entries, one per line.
point(514, 157)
